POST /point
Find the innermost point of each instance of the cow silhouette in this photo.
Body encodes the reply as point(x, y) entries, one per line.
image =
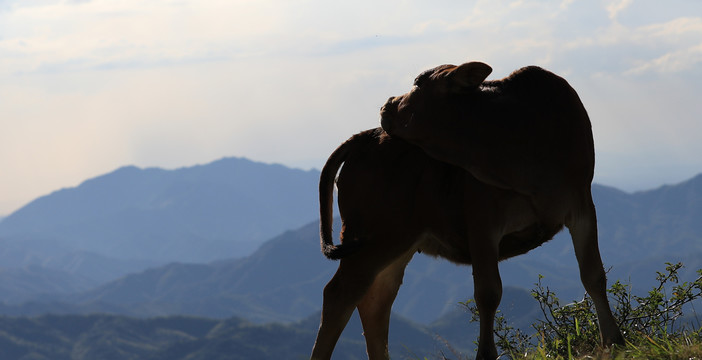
point(470, 170)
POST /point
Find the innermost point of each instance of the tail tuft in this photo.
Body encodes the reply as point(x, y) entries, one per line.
point(337, 252)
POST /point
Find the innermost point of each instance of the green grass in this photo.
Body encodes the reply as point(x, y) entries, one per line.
point(656, 350)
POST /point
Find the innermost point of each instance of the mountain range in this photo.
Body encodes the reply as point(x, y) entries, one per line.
point(103, 336)
point(120, 338)
point(132, 218)
point(283, 278)
point(107, 337)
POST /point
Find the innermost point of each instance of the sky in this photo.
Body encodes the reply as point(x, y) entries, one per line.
point(87, 86)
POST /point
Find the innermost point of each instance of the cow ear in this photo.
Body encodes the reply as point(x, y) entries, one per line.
point(470, 75)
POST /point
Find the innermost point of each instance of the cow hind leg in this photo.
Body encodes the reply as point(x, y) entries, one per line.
point(376, 305)
point(341, 295)
point(346, 289)
point(583, 230)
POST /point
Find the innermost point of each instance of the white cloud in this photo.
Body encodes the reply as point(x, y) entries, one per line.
point(98, 32)
point(681, 26)
point(673, 62)
point(614, 7)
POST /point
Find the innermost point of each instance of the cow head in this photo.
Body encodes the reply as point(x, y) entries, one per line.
point(426, 108)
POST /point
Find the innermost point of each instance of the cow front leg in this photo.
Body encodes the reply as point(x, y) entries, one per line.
point(376, 305)
point(583, 231)
point(488, 293)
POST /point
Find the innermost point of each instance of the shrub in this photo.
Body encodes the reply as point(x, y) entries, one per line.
point(651, 325)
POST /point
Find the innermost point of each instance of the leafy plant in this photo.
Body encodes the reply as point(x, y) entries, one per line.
point(650, 324)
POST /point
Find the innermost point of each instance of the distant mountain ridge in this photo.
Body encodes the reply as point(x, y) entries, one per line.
point(283, 279)
point(115, 337)
point(100, 336)
point(666, 220)
point(202, 213)
point(290, 267)
point(280, 282)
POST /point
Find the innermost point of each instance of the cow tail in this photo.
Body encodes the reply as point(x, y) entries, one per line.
point(326, 202)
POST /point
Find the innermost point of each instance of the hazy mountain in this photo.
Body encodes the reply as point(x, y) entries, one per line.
point(282, 282)
point(183, 337)
point(23, 284)
point(171, 338)
point(95, 268)
point(283, 279)
point(152, 216)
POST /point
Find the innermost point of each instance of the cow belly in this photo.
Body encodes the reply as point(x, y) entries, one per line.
point(450, 247)
point(521, 242)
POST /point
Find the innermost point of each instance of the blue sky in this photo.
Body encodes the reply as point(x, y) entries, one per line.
point(88, 86)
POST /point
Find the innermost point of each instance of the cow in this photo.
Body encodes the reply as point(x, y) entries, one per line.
point(394, 201)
